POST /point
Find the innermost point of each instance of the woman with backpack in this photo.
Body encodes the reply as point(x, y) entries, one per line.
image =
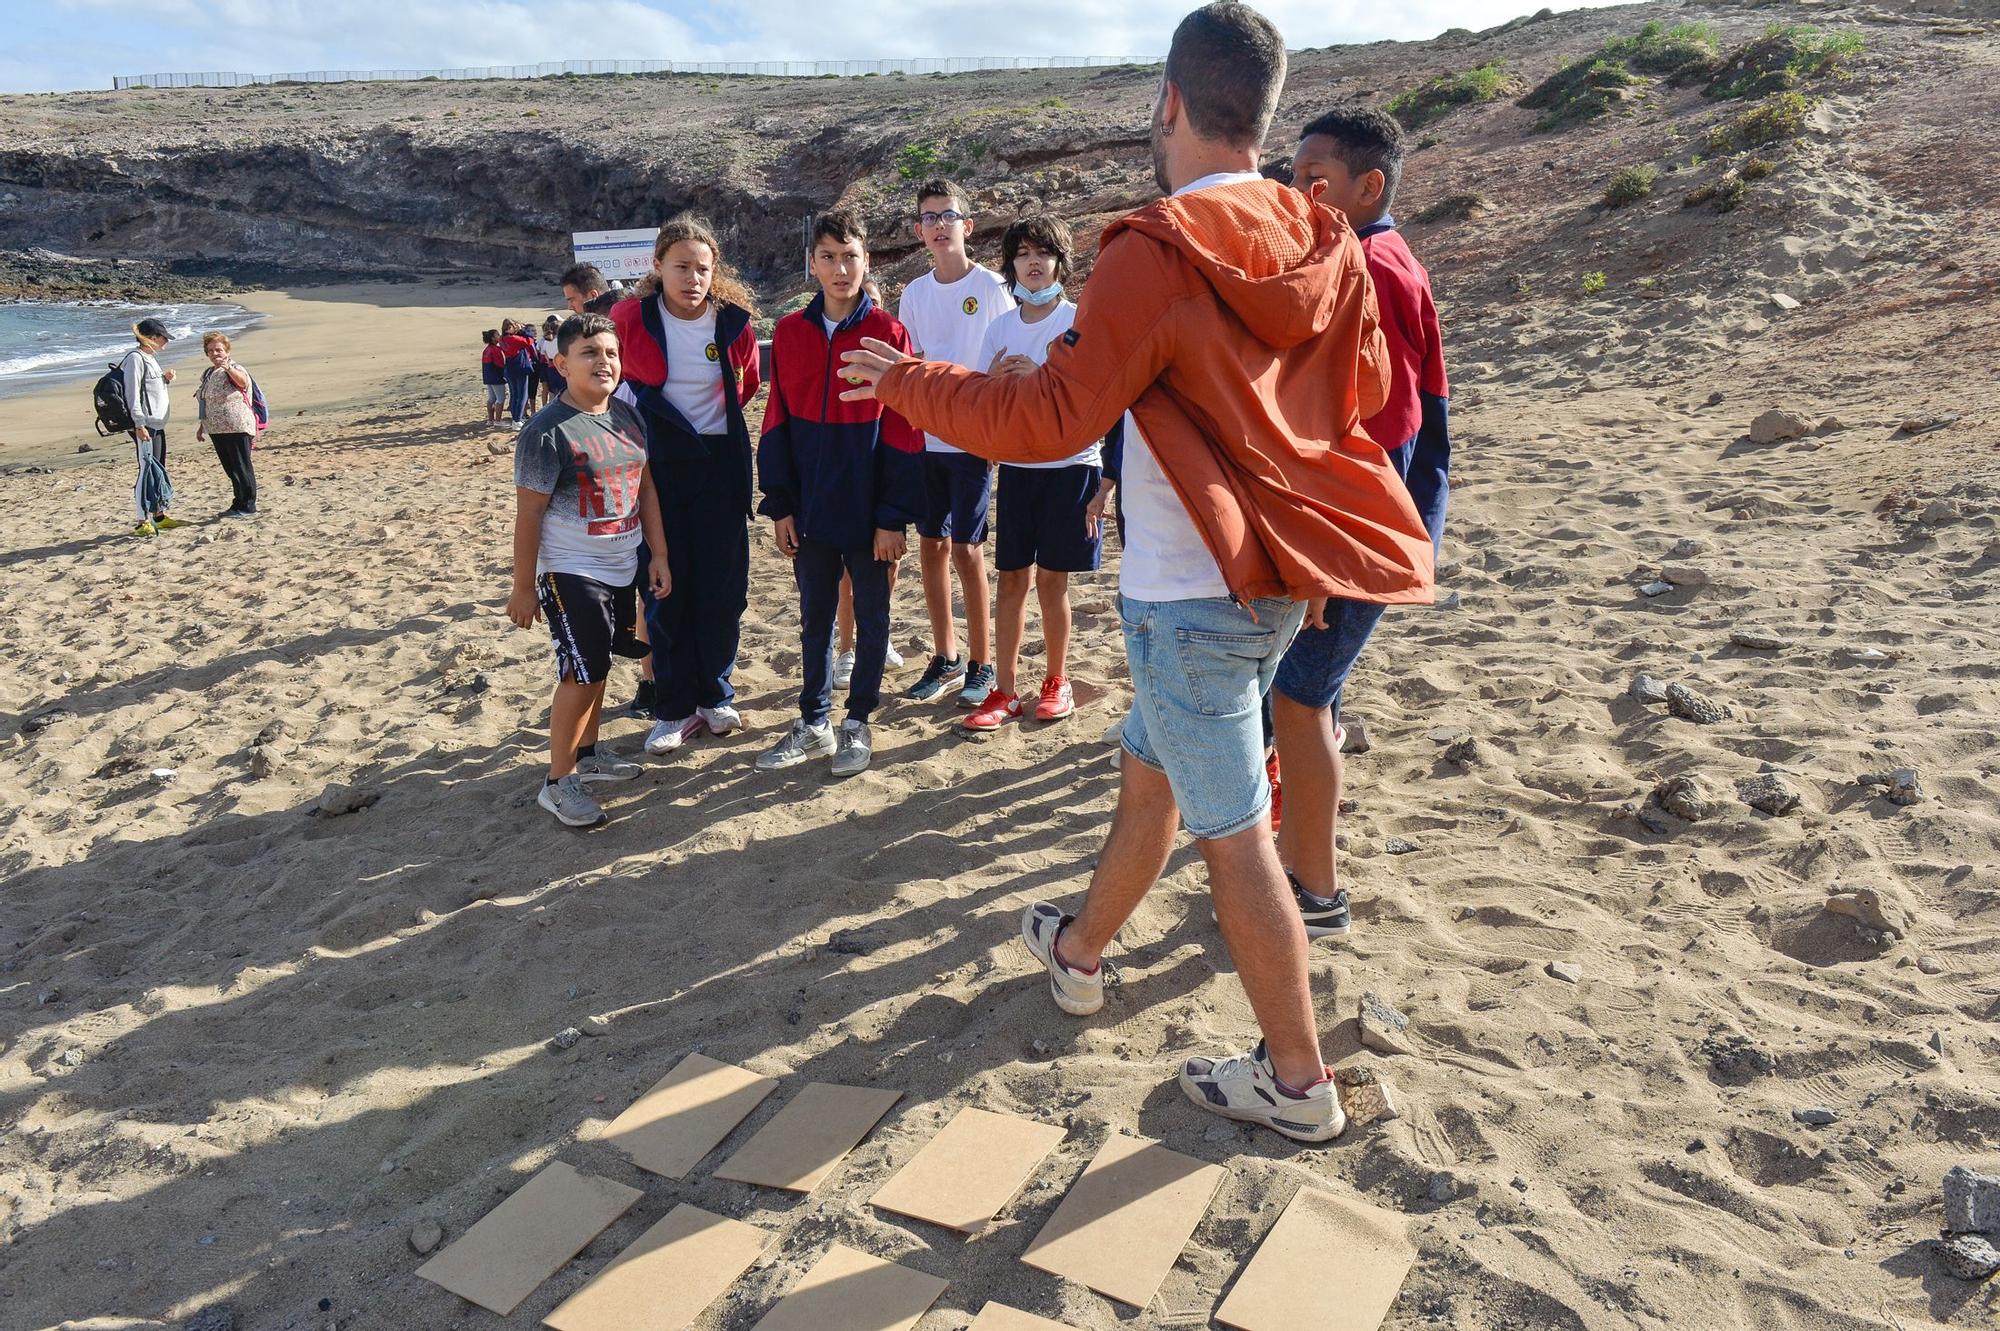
point(519, 349)
point(147, 403)
point(228, 420)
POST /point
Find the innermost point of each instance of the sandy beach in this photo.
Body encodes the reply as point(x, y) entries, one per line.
point(248, 1049)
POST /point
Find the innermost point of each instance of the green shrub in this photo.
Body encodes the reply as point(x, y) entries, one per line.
point(919, 161)
point(1782, 59)
point(1417, 107)
point(1722, 195)
point(1455, 208)
point(1594, 284)
point(1631, 185)
point(1777, 118)
point(1755, 169)
point(1587, 88)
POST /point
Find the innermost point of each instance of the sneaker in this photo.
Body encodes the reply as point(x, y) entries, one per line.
point(1057, 701)
point(998, 709)
point(1277, 789)
point(979, 684)
point(606, 767)
point(641, 705)
point(570, 802)
point(1246, 1089)
point(145, 529)
point(165, 523)
point(666, 736)
point(800, 743)
point(1323, 916)
point(720, 720)
point(894, 659)
point(1075, 992)
point(938, 676)
point(843, 669)
point(853, 749)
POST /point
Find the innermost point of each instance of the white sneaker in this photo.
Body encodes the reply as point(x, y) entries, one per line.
point(1075, 992)
point(1245, 1088)
point(843, 669)
point(720, 720)
point(666, 736)
point(894, 660)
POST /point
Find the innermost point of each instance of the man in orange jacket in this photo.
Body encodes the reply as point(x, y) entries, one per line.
point(1234, 326)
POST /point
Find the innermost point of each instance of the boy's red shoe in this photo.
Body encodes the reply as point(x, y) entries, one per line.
point(1277, 790)
point(998, 709)
point(1057, 700)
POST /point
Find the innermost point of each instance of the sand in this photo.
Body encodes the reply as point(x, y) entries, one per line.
point(248, 1049)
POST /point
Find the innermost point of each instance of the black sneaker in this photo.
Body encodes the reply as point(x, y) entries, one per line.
point(940, 675)
point(641, 705)
point(1323, 915)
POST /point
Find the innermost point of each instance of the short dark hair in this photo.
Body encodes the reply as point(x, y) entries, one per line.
point(841, 225)
point(1366, 139)
point(1050, 234)
point(587, 278)
point(941, 188)
point(1229, 63)
point(581, 326)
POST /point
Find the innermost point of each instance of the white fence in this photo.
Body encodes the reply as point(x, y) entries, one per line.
point(797, 69)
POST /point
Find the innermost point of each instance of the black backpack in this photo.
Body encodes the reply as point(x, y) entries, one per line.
point(114, 413)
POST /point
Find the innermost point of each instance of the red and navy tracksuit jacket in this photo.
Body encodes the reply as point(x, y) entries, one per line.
point(1417, 415)
point(643, 364)
point(843, 470)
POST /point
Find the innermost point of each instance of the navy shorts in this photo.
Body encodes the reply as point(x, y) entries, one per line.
point(591, 622)
point(1042, 519)
point(958, 491)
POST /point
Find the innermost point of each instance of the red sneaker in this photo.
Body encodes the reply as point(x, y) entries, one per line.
point(998, 709)
point(1057, 700)
point(1277, 790)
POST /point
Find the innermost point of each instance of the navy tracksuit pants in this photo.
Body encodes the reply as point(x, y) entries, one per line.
point(818, 566)
point(696, 629)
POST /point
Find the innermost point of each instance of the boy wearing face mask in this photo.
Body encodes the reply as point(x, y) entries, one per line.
point(1051, 520)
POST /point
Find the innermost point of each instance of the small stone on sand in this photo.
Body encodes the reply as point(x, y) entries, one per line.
point(426, 1236)
point(1566, 970)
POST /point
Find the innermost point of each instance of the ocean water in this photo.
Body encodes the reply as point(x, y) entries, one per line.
point(45, 342)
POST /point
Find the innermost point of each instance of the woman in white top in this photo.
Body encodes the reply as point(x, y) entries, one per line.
point(228, 421)
point(146, 398)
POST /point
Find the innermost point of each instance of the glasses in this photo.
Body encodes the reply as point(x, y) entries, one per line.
point(948, 216)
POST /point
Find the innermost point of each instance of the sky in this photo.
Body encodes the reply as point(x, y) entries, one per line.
point(58, 45)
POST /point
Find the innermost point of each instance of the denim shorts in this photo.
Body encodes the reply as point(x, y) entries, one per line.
point(1200, 669)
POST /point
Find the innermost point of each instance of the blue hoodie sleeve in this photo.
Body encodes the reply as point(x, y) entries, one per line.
point(899, 486)
point(777, 470)
point(1114, 452)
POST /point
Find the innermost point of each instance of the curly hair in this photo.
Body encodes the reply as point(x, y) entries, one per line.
point(725, 286)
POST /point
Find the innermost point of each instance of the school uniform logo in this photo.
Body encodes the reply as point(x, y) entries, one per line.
point(712, 354)
point(971, 305)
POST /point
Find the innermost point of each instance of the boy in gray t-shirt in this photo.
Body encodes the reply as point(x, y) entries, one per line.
point(583, 500)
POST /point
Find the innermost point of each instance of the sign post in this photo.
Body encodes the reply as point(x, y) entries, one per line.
point(622, 256)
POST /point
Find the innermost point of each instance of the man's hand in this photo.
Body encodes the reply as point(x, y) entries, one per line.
point(866, 368)
point(1316, 613)
point(166, 376)
point(523, 606)
point(890, 546)
point(201, 434)
point(785, 531)
point(1093, 512)
point(661, 581)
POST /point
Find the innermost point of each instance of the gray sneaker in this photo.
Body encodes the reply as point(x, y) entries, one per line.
point(1075, 992)
point(606, 767)
point(800, 743)
point(1245, 1088)
point(570, 802)
point(854, 748)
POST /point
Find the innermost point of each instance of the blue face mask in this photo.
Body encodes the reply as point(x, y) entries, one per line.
point(1048, 295)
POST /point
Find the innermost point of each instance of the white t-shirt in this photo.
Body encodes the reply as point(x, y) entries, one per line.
point(547, 346)
point(1165, 558)
point(947, 321)
point(694, 376)
point(1012, 335)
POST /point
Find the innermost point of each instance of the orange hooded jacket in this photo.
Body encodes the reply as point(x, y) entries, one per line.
point(1238, 325)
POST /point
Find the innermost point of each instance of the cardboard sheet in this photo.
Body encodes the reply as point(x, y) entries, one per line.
point(967, 1173)
point(668, 1275)
point(805, 1141)
point(522, 1241)
point(851, 1291)
point(1328, 1263)
point(999, 1317)
point(1124, 1223)
point(671, 1127)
